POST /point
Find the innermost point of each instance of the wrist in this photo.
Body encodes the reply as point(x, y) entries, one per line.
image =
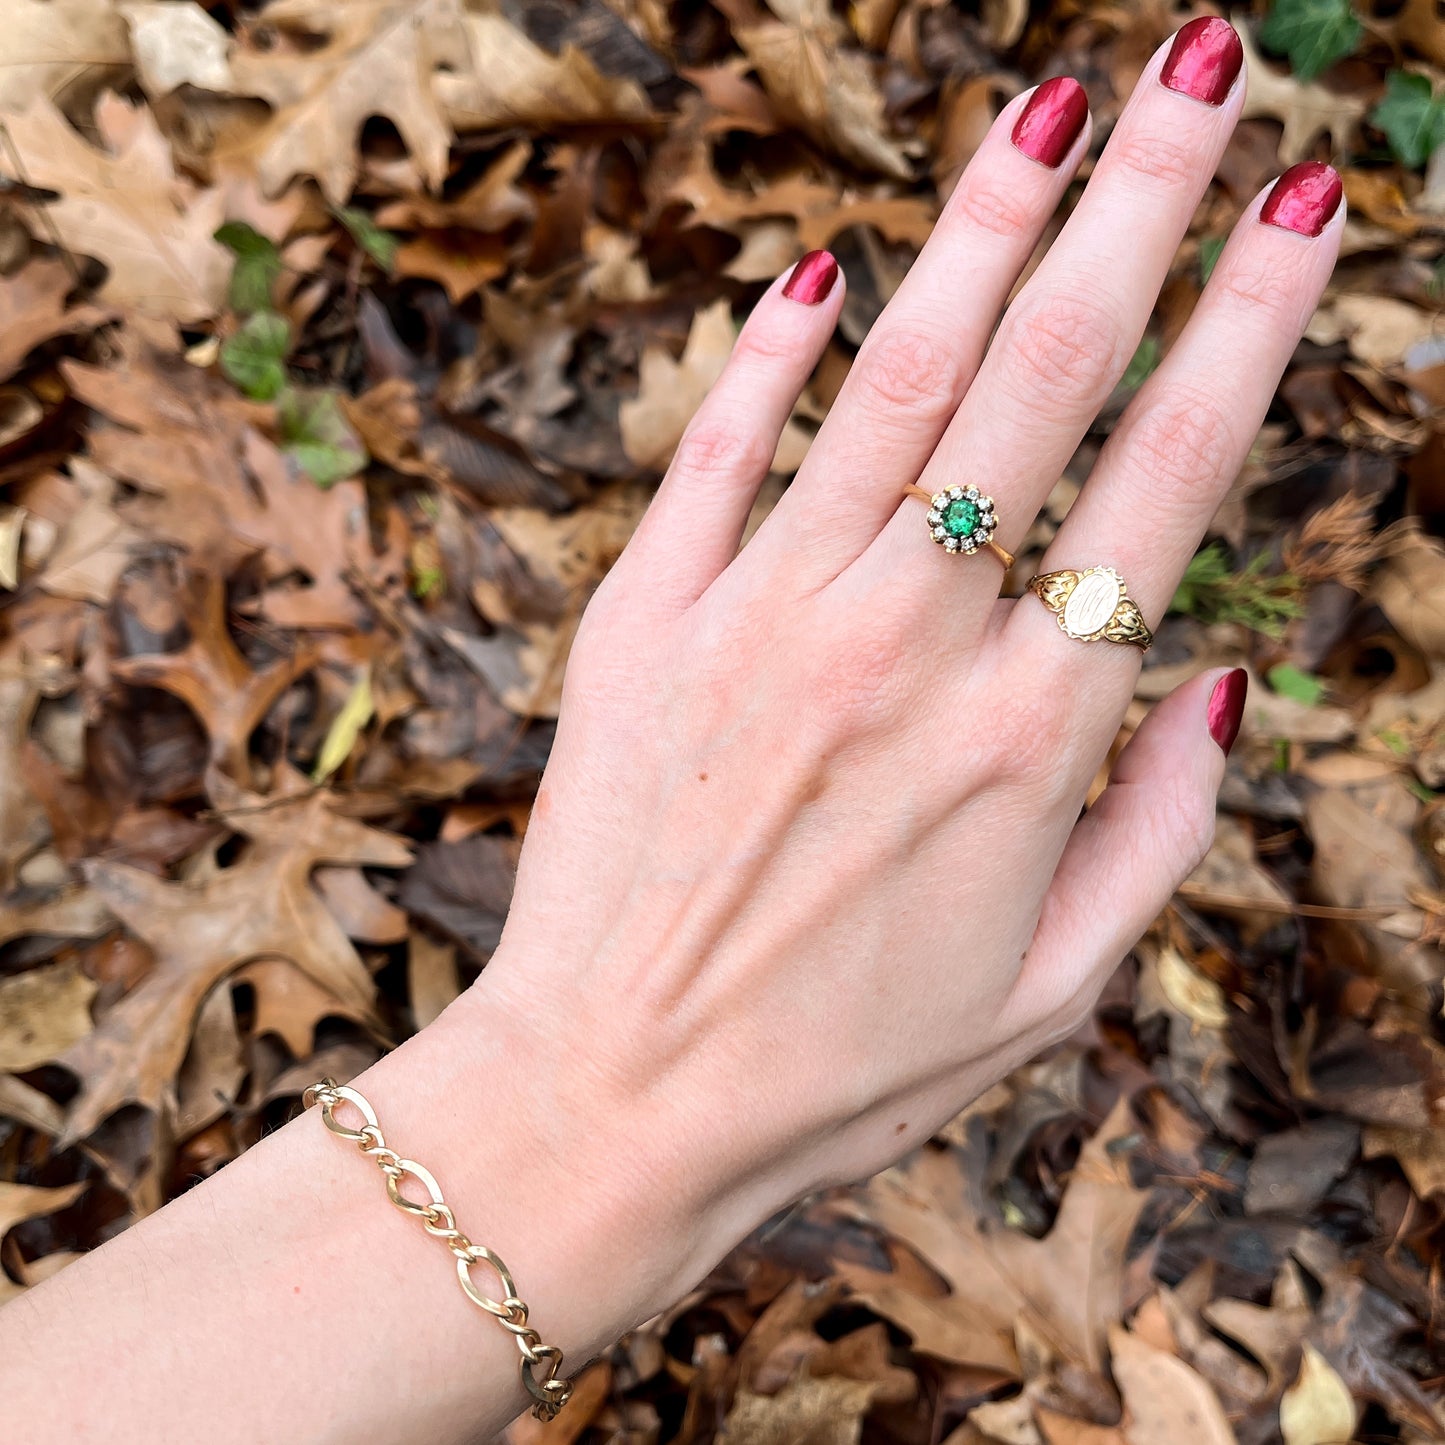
point(578, 1186)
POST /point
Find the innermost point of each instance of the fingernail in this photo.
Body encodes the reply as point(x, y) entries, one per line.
point(1226, 707)
point(812, 278)
point(1050, 123)
point(1204, 60)
point(1303, 199)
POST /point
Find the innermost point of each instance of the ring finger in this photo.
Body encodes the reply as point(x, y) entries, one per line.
point(1067, 338)
point(1180, 444)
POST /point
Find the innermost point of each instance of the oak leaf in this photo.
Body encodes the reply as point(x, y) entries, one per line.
point(512, 81)
point(1067, 1287)
point(32, 310)
point(127, 207)
point(377, 57)
point(264, 906)
point(50, 45)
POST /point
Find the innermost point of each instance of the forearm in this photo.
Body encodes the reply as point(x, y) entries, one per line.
point(285, 1299)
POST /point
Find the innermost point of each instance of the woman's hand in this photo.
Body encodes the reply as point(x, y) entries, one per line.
point(807, 870)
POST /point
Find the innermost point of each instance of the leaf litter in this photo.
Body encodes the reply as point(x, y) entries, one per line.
point(340, 346)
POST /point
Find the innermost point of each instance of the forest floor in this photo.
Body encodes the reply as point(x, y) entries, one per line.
point(340, 347)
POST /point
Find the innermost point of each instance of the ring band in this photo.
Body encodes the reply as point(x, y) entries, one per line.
point(1093, 605)
point(962, 519)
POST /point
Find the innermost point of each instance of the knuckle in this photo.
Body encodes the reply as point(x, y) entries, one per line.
point(722, 448)
point(1156, 160)
point(1059, 348)
point(1181, 441)
point(1185, 820)
point(1027, 752)
point(764, 347)
point(982, 205)
point(911, 372)
point(858, 681)
point(1253, 286)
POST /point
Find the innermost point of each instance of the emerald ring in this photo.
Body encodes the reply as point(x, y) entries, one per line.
point(962, 519)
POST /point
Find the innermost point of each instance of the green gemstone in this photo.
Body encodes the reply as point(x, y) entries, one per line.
point(961, 518)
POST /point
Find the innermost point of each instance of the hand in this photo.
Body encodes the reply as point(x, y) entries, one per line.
point(807, 870)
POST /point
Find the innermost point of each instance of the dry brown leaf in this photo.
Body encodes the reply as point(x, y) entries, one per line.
point(805, 1412)
point(42, 1012)
point(177, 43)
point(32, 310)
point(1067, 1286)
point(94, 546)
point(377, 57)
point(51, 45)
point(669, 391)
point(1163, 1398)
point(1308, 109)
point(1378, 329)
point(212, 677)
point(510, 81)
point(128, 208)
point(824, 88)
point(1410, 588)
point(201, 933)
point(1318, 1408)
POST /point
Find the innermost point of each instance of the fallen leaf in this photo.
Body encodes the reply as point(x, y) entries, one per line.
point(32, 311)
point(375, 57)
point(511, 81)
point(50, 45)
point(669, 391)
point(177, 43)
point(42, 1012)
point(1318, 1408)
point(128, 208)
point(1163, 1398)
point(201, 933)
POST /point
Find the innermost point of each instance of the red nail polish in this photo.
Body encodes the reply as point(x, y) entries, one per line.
point(812, 278)
point(1226, 707)
point(1050, 123)
point(1303, 199)
point(1204, 60)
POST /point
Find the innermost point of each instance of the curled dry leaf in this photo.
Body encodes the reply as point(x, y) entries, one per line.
point(177, 43)
point(1318, 1408)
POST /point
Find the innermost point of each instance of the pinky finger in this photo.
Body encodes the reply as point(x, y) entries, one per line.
point(695, 524)
point(1144, 836)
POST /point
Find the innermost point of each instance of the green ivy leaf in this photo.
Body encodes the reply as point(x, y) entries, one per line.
point(1141, 365)
point(258, 264)
point(380, 245)
point(1412, 117)
point(318, 437)
point(254, 357)
point(1288, 681)
point(1315, 34)
point(1211, 248)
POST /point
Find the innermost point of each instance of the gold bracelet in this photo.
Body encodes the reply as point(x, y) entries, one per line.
point(549, 1393)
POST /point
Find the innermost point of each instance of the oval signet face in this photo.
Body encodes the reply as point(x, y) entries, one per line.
point(1091, 604)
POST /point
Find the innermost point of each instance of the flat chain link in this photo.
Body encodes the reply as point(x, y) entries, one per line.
point(549, 1391)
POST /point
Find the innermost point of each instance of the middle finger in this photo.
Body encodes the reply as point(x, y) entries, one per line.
point(1066, 339)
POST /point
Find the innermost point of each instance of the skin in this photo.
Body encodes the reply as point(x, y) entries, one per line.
point(807, 870)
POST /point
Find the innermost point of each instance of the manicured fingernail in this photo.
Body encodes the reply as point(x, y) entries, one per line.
point(1050, 123)
point(1204, 60)
point(1303, 199)
point(812, 278)
point(1226, 707)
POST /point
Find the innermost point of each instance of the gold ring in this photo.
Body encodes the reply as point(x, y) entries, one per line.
point(962, 519)
point(1093, 606)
